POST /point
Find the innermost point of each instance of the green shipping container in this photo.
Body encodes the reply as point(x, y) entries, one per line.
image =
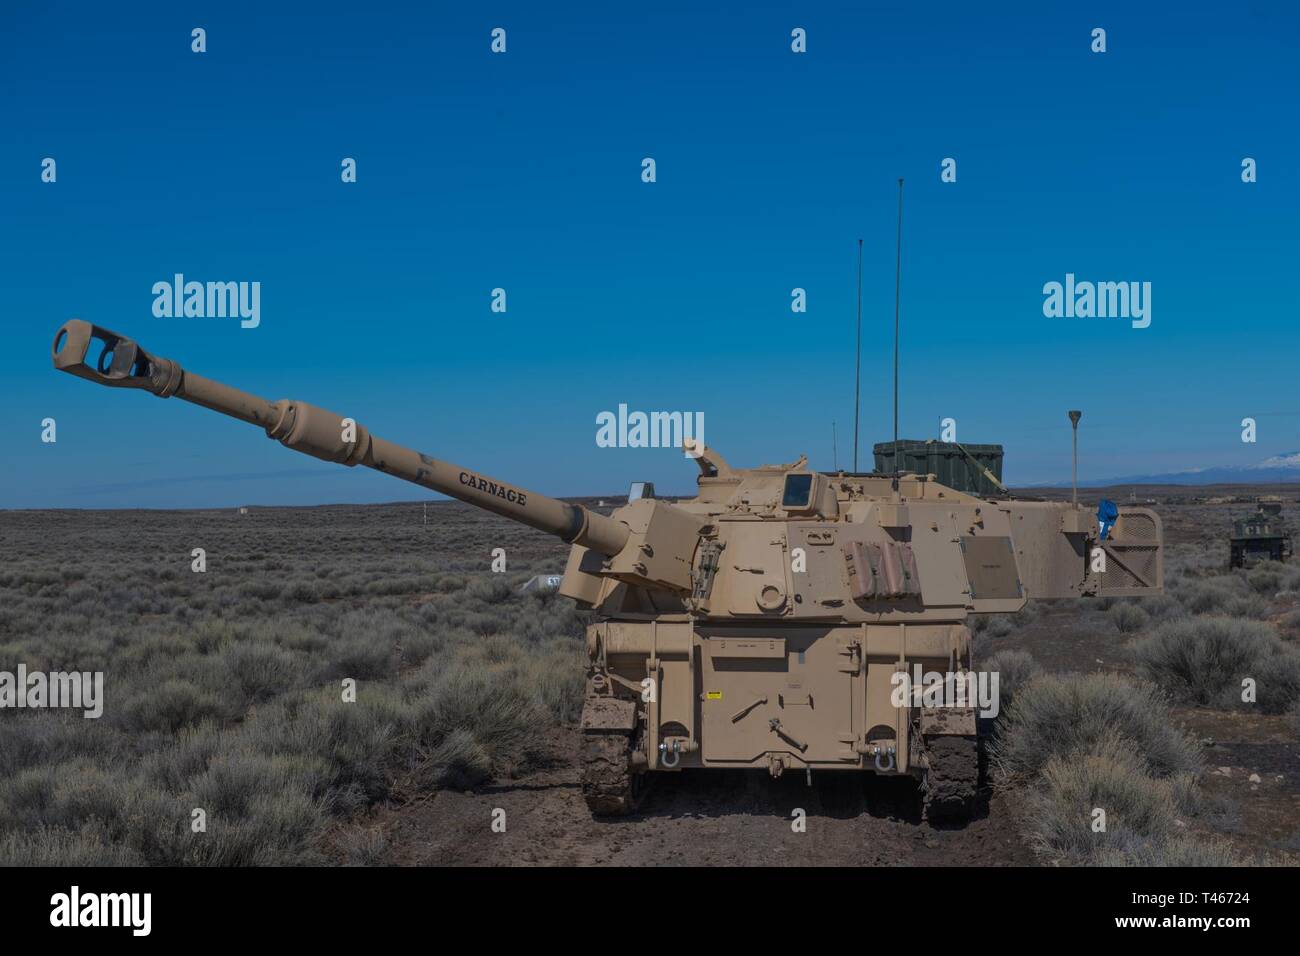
point(953, 464)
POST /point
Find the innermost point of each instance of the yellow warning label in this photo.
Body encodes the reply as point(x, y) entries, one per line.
point(715, 695)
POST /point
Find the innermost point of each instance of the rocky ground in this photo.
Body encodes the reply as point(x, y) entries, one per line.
point(696, 818)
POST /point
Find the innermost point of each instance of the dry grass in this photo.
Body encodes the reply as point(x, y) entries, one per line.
point(223, 689)
point(1056, 717)
point(1107, 777)
point(1207, 660)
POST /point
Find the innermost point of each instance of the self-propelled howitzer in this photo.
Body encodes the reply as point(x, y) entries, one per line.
point(779, 619)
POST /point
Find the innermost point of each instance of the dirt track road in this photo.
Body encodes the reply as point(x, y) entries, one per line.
point(726, 818)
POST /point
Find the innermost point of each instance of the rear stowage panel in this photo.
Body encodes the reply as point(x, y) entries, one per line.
point(791, 692)
point(1061, 554)
point(737, 695)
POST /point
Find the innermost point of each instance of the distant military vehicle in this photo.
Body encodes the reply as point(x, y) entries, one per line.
point(1262, 536)
point(772, 621)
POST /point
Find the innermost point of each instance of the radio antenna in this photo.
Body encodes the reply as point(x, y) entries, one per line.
point(898, 274)
point(857, 371)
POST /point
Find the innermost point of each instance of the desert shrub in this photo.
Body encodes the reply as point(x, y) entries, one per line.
point(169, 706)
point(1277, 682)
point(261, 588)
point(1015, 669)
point(1248, 605)
point(1057, 717)
point(558, 675)
point(395, 585)
point(258, 671)
point(485, 623)
point(1080, 744)
point(232, 781)
point(1161, 606)
point(1222, 595)
point(121, 809)
point(423, 644)
point(1031, 612)
point(361, 656)
point(1140, 810)
point(223, 689)
point(302, 590)
point(209, 635)
point(304, 635)
point(171, 767)
point(260, 809)
point(1128, 618)
point(55, 846)
point(363, 847)
point(1203, 661)
point(459, 761)
point(1266, 578)
point(494, 705)
point(498, 649)
point(490, 590)
point(1180, 850)
point(991, 625)
point(24, 741)
point(1195, 560)
point(984, 628)
point(345, 749)
point(75, 648)
point(50, 737)
point(277, 828)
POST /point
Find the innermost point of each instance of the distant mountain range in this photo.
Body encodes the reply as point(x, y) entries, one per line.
point(1275, 470)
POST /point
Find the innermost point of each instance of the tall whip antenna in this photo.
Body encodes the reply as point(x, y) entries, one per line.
point(898, 274)
point(857, 372)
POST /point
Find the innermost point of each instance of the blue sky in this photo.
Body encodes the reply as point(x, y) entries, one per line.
point(522, 171)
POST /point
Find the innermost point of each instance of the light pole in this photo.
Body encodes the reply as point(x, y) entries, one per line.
point(1074, 470)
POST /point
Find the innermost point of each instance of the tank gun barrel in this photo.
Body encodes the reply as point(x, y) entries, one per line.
point(314, 431)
